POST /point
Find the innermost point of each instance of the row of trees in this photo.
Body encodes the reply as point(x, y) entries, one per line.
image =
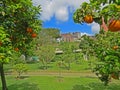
point(69, 53)
point(47, 45)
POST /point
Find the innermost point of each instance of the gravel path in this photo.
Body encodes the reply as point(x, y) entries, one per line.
point(58, 73)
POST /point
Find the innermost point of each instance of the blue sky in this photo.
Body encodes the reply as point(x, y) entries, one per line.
point(58, 14)
point(68, 26)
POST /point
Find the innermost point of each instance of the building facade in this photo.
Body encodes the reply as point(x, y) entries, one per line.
point(70, 37)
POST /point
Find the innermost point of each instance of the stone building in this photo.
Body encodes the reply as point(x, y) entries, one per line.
point(70, 37)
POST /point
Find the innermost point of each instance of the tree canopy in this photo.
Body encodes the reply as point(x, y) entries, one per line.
point(17, 17)
point(105, 45)
point(19, 25)
point(108, 9)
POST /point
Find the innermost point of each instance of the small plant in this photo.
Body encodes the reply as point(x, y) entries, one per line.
point(20, 69)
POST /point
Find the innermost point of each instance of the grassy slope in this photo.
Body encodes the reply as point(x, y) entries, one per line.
point(82, 66)
point(53, 66)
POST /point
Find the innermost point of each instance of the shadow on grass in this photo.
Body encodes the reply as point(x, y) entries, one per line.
point(96, 86)
point(21, 77)
point(80, 87)
point(44, 67)
point(24, 86)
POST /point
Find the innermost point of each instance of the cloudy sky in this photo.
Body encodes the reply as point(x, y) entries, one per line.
point(58, 14)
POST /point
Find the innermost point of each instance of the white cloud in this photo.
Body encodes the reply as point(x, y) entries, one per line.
point(58, 8)
point(62, 14)
point(95, 27)
point(86, 34)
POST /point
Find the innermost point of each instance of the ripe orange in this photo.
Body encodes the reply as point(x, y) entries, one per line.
point(88, 19)
point(117, 25)
point(115, 47)
point(29, 30)
point(33, 35)
point(0, 43)
point(114, 76)
point(16, 49)
point(114, 26)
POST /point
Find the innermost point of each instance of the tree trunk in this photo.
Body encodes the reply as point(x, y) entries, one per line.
point(69, 65)
point(46, 66)
point(19, 75)
point(85, 56)
point(4, 86)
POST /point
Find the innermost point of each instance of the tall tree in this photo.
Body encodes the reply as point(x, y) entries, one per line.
point(106, 47)
point(19, 25)
point(48, 36)
point(46, 45)
point(85, 46)
point(5, 52)
point(46, 53)
point(68, 53)
point(106, 44)
point(53, 32)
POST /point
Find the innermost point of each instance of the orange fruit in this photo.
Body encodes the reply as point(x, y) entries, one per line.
point(0, 43)
point(16, 49)
point(114, 26)
point(88, 19)
point(29, 30)
point(117, 25)
point(114, 76)
point(115, 47)
point(33, 35)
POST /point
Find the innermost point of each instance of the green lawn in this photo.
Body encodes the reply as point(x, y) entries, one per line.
point(82, 66)
point(53, 66)
point(52, 82)
point(55, 83)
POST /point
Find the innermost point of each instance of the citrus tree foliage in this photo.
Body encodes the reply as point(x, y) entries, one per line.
point(98, 9)
point(105, 44)
point(18, 17)
point(107, 50)
point(19, 25)
point(5, 46)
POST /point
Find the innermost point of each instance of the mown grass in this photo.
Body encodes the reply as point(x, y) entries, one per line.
point(57, 83)
point(81, 66)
